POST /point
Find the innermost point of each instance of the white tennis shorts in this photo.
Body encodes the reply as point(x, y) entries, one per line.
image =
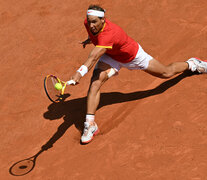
point(141, 61)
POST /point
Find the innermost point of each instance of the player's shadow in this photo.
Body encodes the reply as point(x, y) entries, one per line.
point(73, 111)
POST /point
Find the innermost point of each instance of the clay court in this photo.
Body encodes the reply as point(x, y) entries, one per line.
point(150, 128)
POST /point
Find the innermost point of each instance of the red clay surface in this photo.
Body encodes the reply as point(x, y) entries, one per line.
point(151, 129)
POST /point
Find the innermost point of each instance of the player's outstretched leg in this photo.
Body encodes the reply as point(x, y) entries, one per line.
point(158, 69)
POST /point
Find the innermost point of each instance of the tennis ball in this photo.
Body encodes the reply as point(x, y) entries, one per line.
point(58, 86)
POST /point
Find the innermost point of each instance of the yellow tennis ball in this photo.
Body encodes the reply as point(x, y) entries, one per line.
point(58, 86)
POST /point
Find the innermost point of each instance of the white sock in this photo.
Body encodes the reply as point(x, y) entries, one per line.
point(90, 118)
point(191, 66)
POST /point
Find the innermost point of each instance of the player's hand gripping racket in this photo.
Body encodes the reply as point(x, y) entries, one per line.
point(56, 93)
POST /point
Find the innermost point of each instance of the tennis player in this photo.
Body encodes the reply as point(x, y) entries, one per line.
point(114, 50)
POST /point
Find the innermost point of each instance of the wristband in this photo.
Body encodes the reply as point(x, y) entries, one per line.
point(71, 82)
point(83, 70)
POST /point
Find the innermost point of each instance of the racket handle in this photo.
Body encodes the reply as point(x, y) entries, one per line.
point(71, 82)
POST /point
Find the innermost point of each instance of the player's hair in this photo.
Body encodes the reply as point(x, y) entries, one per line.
point(96, 7)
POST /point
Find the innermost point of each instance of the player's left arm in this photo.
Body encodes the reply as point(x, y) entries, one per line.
point(87, 41)
point(94, 56)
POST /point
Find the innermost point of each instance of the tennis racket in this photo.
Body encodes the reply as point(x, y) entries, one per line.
point(23, 167)
point(52, 93)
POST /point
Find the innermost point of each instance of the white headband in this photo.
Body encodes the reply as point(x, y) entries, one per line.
point(95, 13)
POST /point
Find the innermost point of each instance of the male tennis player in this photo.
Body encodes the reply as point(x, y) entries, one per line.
point(113, 50)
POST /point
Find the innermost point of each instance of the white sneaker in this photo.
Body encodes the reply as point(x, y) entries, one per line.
point(88, 132)
point(196, 64)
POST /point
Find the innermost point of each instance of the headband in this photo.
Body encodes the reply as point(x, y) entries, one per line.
point(95, 13)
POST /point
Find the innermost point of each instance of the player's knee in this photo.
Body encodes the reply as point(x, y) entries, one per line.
point(168, 72)
point(166, 75)
point(97, 80)
point(94, 87)
point(99, 75)
point(103, 76)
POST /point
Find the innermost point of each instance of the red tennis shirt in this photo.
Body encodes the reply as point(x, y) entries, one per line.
point(119, 45)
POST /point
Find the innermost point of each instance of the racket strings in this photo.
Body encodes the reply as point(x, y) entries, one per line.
point(54, 94)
